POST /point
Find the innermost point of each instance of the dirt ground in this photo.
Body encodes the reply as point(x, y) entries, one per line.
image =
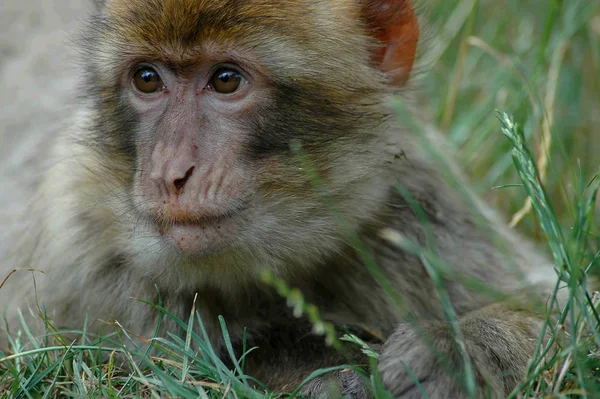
point(36, 75)
point(37, 78)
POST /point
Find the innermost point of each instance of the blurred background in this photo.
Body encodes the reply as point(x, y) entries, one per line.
point(37, 78)
point(539, 60)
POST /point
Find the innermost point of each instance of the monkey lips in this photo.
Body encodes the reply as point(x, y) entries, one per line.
point(200, 236)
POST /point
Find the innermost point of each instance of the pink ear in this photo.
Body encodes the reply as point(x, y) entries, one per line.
point(394, 24)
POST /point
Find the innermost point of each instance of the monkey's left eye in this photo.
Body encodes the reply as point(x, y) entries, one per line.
point(147, 80)
point(226, 81)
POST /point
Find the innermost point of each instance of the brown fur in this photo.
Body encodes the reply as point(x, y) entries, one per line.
point(327, 67)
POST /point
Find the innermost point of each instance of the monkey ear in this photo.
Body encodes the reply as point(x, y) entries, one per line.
point(394, 24)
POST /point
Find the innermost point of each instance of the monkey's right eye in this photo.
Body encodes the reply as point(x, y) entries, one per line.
point(147, 80)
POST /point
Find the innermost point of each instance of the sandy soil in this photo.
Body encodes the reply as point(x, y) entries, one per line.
point(36, 68)
point(37, 78)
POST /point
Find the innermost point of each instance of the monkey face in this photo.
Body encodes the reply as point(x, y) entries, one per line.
point(193, 182)
point(237, 123)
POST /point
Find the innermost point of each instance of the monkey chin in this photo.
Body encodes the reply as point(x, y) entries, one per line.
point(202, 237)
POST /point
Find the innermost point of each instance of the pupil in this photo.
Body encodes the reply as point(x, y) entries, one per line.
point(148, 76)
point(226, 76)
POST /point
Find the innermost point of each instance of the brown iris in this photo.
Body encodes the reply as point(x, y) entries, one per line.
point(147, 80)
point(226, 81)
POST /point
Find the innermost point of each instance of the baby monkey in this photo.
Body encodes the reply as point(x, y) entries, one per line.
point(185, 171)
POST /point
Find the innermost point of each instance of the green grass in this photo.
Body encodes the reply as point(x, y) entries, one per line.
point(538, 62)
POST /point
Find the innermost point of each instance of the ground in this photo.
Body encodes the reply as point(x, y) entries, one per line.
point(36, 86)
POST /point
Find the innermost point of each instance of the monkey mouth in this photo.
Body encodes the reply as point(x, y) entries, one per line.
point(198, 236)
point(201, 222)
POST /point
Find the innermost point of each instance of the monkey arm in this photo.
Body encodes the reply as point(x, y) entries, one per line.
point(498, 340)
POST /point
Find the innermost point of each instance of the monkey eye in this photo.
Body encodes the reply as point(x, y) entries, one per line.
point(226, 81)
point(147, 80)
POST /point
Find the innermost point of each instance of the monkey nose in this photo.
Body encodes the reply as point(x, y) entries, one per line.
point(176, 177)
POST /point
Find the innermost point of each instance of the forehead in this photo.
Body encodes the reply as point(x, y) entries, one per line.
point(294, 38)
point(187, 22)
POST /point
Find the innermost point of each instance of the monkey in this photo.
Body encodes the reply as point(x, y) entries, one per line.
point(180, 175)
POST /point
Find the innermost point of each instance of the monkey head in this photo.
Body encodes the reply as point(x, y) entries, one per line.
point(204, 101)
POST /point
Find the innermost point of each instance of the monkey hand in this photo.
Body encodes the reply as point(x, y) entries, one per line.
point(426, 359)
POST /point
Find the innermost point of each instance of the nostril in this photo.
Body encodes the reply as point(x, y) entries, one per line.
point(180, 183)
